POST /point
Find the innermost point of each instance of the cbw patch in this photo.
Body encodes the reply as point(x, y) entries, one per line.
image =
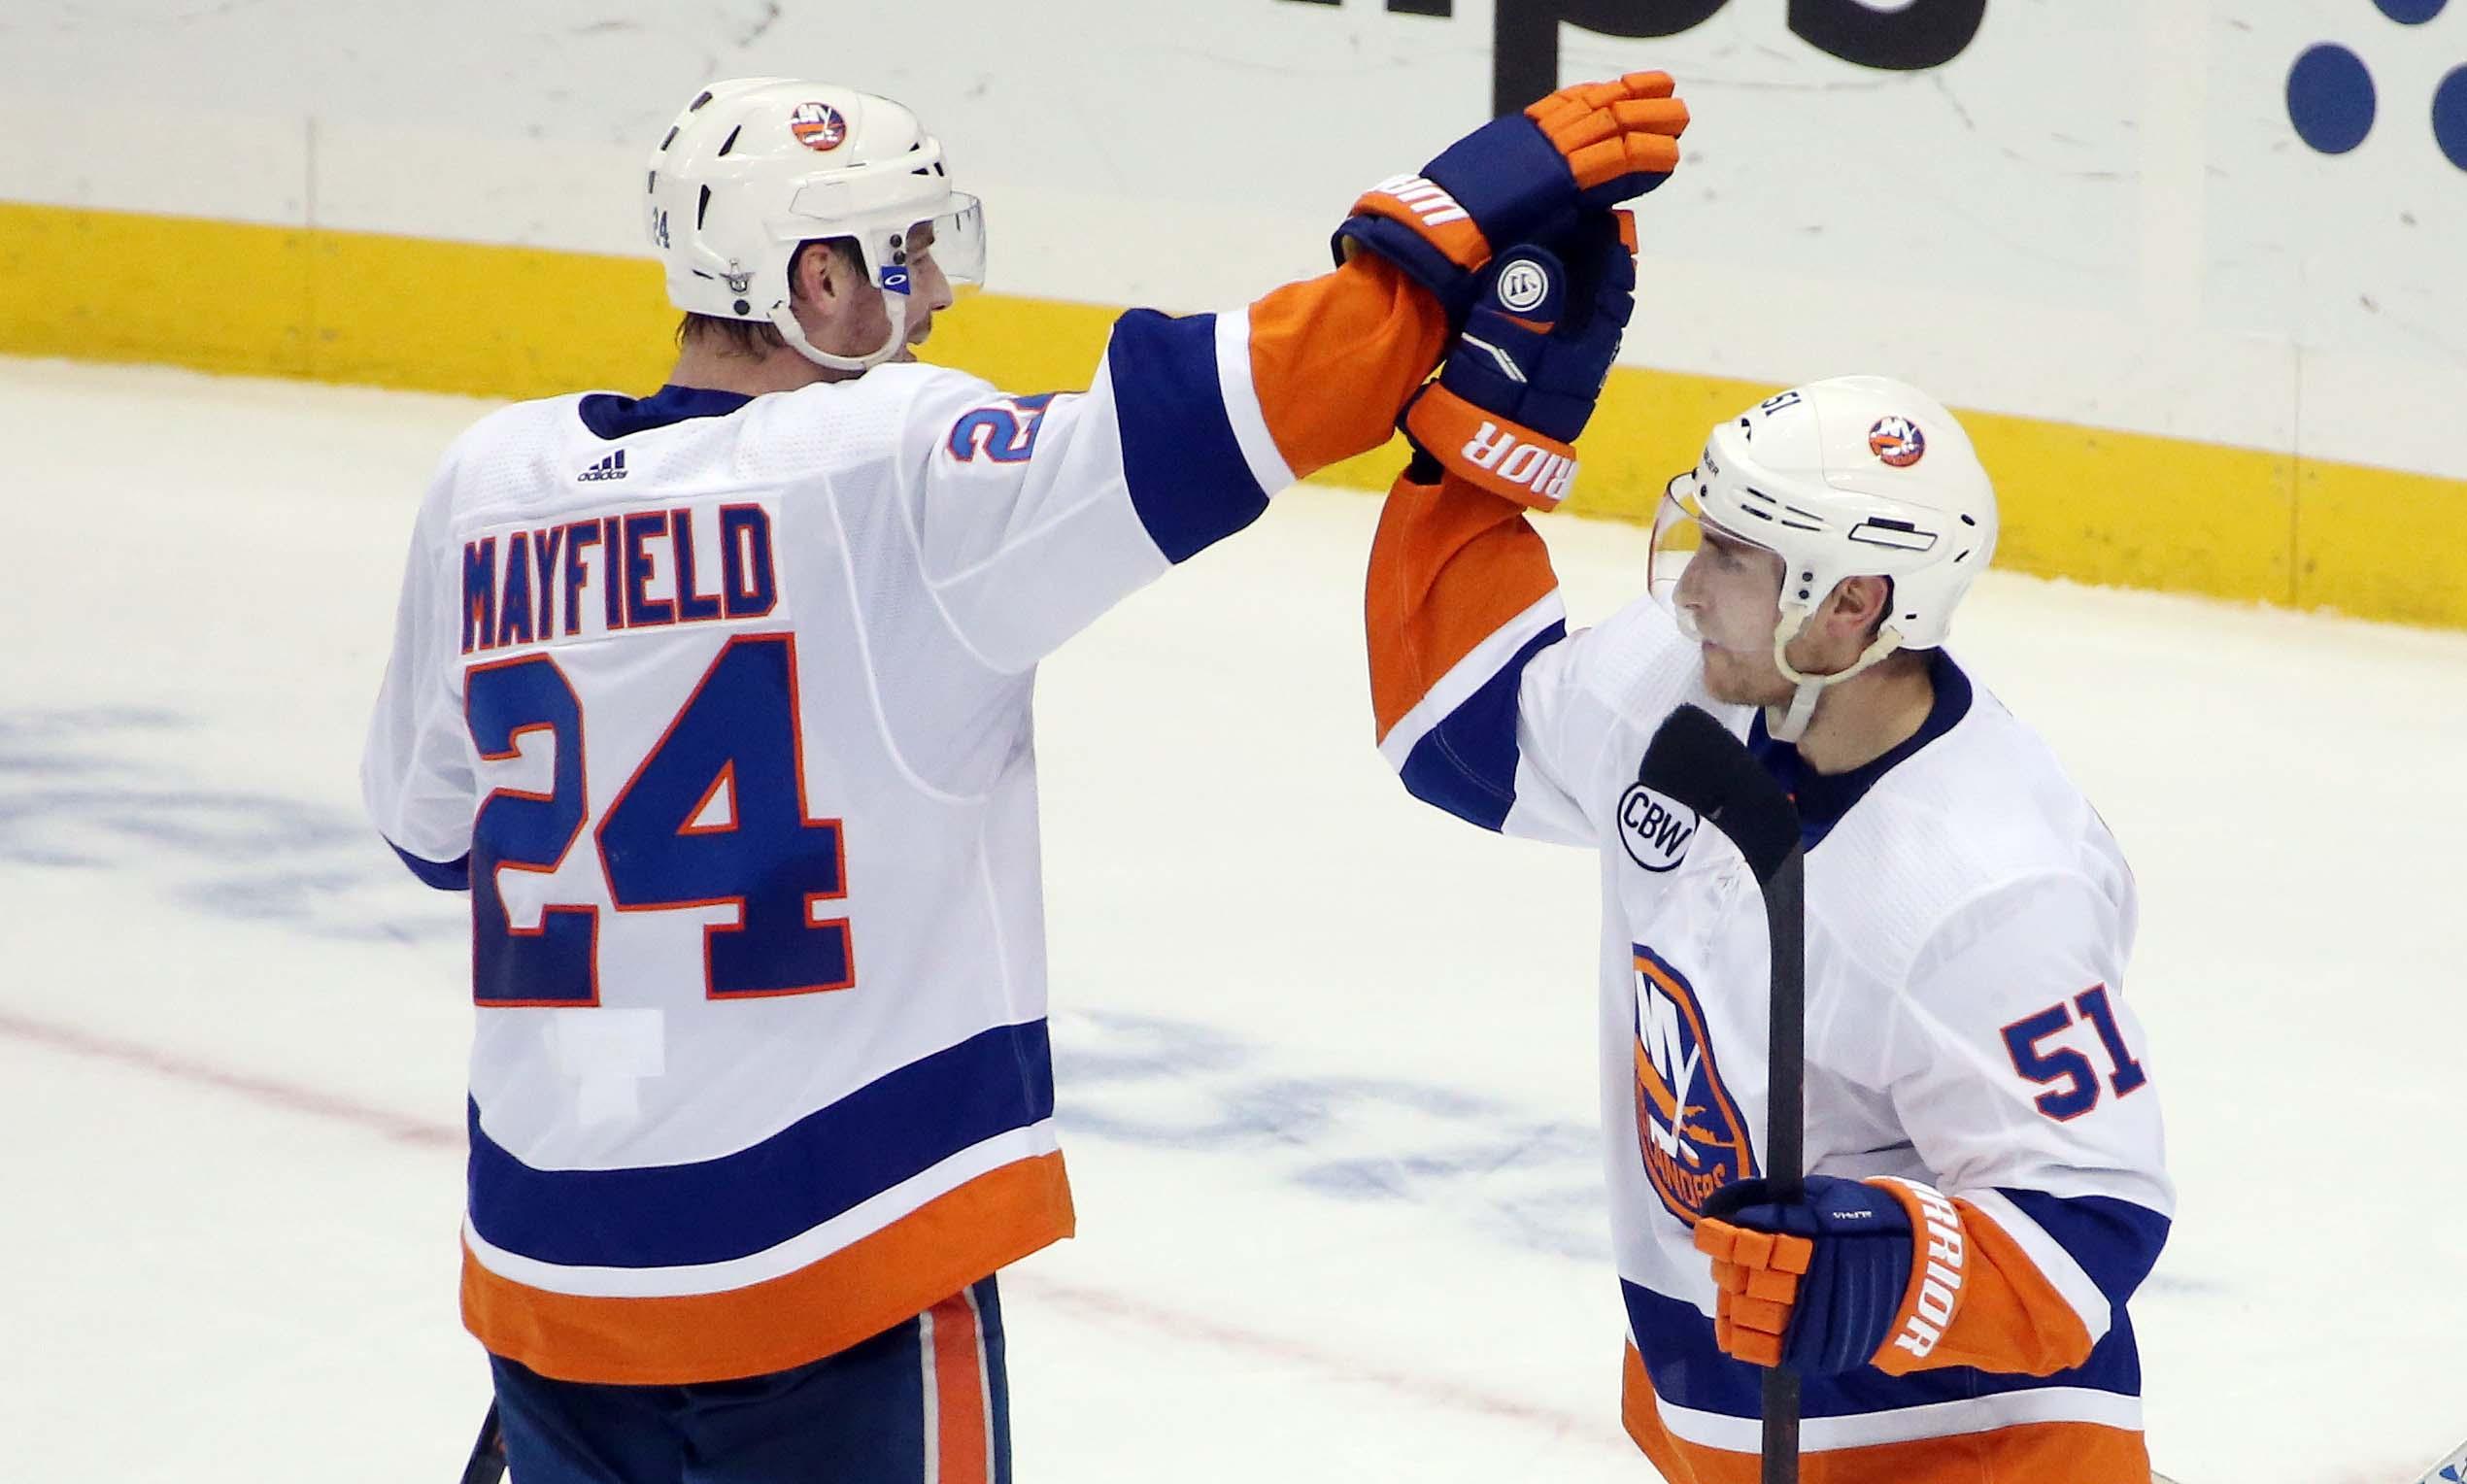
point(1689, 1130)
point(1655, 828)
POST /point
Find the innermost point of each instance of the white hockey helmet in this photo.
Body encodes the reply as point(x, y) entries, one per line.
point(755, 167)
point(1857, 476)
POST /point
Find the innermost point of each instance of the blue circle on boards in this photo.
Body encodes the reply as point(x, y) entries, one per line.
point(2449, 116)
point(2411, 12)
point(2330, 98)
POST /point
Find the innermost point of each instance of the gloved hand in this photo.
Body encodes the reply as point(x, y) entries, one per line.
point(1824, 1282)
point(1524, 178)
point(1521, 381)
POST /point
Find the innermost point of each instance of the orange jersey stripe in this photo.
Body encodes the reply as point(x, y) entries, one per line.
point(820, 1309)
point(1449, 566)
point(959, 1395)
point(2009, 1318)
point(1333, 357)
point(2029, 1453)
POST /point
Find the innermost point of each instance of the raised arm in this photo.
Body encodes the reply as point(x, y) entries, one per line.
point(1461, 601)
point(1035, 514)
point(1471, 665)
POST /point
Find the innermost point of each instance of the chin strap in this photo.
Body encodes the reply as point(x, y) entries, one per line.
point(1788, 723)
point(895, 305)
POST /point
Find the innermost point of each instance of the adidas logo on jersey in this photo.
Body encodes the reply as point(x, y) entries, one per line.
point(1941, 1289)
point(1518, 462)
point(610, 468)
point(1430, 205)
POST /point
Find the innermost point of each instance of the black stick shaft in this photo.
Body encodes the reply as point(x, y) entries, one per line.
point(1694, 760)
point(488, 1453)
point(1785, 1121)
point(1787, 1057)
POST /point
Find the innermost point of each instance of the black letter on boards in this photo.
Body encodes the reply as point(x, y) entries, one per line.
point(1929, 33)
point(1525, 38)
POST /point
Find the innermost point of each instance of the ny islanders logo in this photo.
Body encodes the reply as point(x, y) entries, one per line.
point(1897, 441)
point(818, 126)
point(1693, 1138)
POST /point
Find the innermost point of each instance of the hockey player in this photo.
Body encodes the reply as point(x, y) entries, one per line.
point(1985, 1184)
point(718, 704)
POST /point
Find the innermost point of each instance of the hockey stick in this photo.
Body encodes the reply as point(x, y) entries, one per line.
point(487, 1454)
point(1694, 760)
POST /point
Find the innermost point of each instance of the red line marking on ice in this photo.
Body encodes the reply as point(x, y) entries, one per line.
point(400, 1127)
point(1099, 1304)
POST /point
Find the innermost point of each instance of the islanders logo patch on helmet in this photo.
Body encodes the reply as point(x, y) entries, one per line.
point(1693, 1139)
point(1898, 440)
point(818, 126)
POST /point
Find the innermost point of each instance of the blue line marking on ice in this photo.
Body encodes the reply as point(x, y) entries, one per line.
point(1171, 1084)
point(73, 797)
point(75, 793)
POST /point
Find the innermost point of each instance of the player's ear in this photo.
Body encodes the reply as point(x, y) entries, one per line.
point(820, 275)
point(1859, 602)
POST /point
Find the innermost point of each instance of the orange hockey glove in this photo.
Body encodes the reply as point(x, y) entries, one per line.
point(1825, 1282)
point(1525, 177)
point(1521, 382)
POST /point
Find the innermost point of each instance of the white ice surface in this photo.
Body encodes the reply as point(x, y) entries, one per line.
point(1326, 1072)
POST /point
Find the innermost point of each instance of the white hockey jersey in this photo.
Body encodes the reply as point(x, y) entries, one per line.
point(721, 710)
point(1969, 919)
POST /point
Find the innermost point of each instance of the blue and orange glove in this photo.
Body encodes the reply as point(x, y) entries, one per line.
point(1524, 178)
point(1852, 1274)
point(1521, 380)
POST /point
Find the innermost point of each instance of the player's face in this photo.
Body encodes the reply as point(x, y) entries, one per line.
point(1732, 591)
point(854, 318)
point(930, 293)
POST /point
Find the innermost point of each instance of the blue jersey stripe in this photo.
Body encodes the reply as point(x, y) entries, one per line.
point(1688, 1369)
point(444, 875)
point(1466, 764)
point(681, 1215)
point(2116, 1241)
point(1189, 479)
